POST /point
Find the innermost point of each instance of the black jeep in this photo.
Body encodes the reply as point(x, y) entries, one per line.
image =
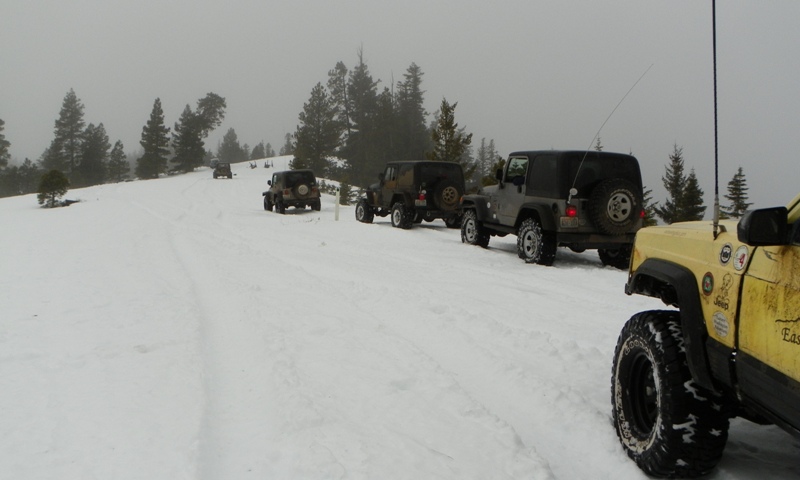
point(292, 188)
point(413, 191)
point(577, 199)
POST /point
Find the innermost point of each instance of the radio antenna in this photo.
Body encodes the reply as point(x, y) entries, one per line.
point(580, 165)
point(716, 141)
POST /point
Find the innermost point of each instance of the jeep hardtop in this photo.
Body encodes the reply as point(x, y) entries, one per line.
point(550, 198)
point(292, 188)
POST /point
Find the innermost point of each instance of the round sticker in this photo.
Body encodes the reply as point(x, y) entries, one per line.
point(725, 254)
point(708, 283)
point(740, 258)
point(720, 324)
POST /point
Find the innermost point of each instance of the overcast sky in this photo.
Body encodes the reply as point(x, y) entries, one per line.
point(529, 74)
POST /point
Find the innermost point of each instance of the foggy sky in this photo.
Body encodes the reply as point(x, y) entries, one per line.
point(529, 74)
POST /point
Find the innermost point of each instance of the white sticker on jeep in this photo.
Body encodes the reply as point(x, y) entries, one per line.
point(720, 324)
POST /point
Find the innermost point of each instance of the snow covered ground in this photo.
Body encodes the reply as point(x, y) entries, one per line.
point(173, 329)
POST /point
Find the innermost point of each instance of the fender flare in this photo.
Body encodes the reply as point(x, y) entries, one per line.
point(477, 203)
point(649, 279)
point(546, 217)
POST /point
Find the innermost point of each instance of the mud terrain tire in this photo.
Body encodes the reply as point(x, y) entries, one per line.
point(447, 195)
point(364, 213)
point(534, 245)
point(616, 257)
point(267, 203)
point(613, 206)
point(472, 231)
point(401, 216)
point(666, 423)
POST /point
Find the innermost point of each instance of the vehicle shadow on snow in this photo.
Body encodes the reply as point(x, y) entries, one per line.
point(565, 257)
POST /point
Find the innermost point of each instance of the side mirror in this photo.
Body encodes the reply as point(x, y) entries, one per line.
point(498, 174)
point(269, 182)
point(764, 227)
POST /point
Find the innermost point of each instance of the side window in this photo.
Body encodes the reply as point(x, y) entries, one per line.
point(543, 178)
point(406, 176)
point(390, 175)
point(517, 168)
point(275, 180)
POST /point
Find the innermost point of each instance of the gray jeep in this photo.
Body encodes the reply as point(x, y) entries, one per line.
point(413, 191)
point(292, 188)
point(577, 199)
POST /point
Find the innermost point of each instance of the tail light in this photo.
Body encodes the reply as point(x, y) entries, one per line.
point(422, 194)
point(642, 213)
point(571, 211)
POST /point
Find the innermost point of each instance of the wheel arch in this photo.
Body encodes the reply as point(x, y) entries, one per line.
point(478, 204)
point(539, 212)
point(676, 285)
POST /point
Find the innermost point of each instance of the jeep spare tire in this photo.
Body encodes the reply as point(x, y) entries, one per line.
point(614, 206)
point(447, 195)
point(302, 190)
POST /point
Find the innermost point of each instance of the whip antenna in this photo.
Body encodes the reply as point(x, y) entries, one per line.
point(716, 141)
point(580, 165)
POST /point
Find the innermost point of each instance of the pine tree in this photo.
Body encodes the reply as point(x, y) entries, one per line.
point(318, 135)
point(413, 136)
point(649, 208)
point(691, 205)
point(118, 166)
point(674, 181)
point(65, 149)
point(288, 146)
point(269, 151)
point(155, 141)
point(229, 149)
point(598, 146)
point(192, 128)
point(737, 195)
point(52, 187)
point(258, 152)
point(5, 156)
point(449, 142)
point(93, 166)
point(359, 148)
point(337, 86)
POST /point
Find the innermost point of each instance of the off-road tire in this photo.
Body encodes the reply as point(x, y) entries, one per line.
point(534, 245)
point(316, 205)
point(614, 207)
point(453, 221)
point(402, 217)
point(616, 257)
point(279, 206)
point(666, 423)
point(364, 213)
point(447, 195)
point(472, 231)
point(267, 203)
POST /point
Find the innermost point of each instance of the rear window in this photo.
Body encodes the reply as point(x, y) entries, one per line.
point(586, 171)
point(431, 172)
point(294, 178)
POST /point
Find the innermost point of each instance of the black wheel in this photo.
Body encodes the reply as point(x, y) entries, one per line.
point(534, 245)
point(316, 205)
point(401, 216)
point(614, 207)
point(279, 206)
point(447, 195)
point(666, 423)
point(364, 213)
point(616, 257)
point(453, 221)
point(267, 203)
point(472, 231)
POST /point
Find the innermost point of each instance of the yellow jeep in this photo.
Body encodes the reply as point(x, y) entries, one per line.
point(731, 347)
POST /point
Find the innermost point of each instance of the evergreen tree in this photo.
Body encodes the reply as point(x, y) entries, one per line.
point(65, 149)
point(649, 208)
point(674, 181)
point(691, 206)
point(337, 87)
point(269, 151)
point(598, 146)
point(192, 128)
point(5, 156)
point(229, 149)
point(53, 186)
point(288, 147)
point(449, 142)
point(29, 176)
point(258, 152)
point(413, 136)
point(359, 148)
point(118, 166)
point(345, 191)
point(737, 195)
point(317, 137)
point(155, 141)
point(93, 166)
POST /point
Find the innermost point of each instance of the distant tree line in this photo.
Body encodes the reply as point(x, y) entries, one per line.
point(349, 129)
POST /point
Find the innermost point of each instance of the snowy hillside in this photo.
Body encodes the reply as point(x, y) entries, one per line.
point(173, 329)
